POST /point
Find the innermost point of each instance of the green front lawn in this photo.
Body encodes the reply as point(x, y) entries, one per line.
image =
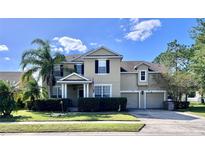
point(24, 115)
point(196, 108)
point(81, 127)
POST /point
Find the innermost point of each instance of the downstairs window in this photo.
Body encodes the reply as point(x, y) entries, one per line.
point(102, 90)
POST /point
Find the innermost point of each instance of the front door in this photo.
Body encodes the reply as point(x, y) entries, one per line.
point(80, 93)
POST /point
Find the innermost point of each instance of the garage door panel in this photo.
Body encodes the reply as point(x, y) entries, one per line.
point(132, 99)
point(155, 100)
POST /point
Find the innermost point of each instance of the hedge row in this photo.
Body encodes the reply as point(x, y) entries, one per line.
point(49, 105)
point(102, 104)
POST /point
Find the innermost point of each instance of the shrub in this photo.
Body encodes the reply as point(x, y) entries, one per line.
point(20, 104)
point(102, 104)
point(49, 105)
point(181, 105)
point(7, 105)
point(7, 102)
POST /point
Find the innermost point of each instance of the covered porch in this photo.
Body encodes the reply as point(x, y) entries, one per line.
point(75, 86)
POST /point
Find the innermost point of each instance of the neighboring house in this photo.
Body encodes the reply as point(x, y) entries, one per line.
point(12, 78)
point(196, 97)
point(102, 73)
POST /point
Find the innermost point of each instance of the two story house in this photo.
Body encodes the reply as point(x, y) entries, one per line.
point(103, 73)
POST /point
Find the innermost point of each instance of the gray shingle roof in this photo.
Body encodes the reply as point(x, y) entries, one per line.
point(11, 76)
point(71, 57)
point(129, 66)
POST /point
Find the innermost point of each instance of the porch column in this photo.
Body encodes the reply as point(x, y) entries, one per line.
point(84, 90)
point(62, 90)
point(66, 91)
point(87, 90)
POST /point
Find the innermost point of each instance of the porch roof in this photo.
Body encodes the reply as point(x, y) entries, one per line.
point(74, 78)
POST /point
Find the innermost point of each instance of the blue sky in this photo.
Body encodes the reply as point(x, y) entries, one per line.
point(135, 39)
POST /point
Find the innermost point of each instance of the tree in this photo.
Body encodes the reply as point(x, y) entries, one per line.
point(177, 59)
point(32, 91)
point(7, 102)
point(42, 61)
point(198, 60)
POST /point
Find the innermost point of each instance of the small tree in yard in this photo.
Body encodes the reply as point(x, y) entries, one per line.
point(32, 91)
point(7, 102)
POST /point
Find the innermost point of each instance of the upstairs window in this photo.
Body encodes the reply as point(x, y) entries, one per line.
point(61, 70)
point(102, 66)
point(143, 77)
point(58, 70)
point(79, 68)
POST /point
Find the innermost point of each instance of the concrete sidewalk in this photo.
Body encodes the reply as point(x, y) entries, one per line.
point(69, 122)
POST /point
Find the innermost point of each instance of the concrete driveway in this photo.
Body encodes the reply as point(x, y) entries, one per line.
point(161, 122)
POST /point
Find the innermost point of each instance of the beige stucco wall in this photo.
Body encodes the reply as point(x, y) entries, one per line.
point(111, 78)
point(129, 81)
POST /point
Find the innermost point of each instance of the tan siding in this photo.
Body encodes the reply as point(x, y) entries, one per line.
point(129, 82)
point(112, 78)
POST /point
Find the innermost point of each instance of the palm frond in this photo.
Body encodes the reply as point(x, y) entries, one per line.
point(39, 42)
point(28, 74)
point(58, 58)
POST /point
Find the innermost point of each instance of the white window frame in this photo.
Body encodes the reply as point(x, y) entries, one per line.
point(145, 75)
point(105, 60)
point(102, 89)
point(57, 87)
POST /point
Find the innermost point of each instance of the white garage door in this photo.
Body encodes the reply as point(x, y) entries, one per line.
point(132, 99)
point(155, 100)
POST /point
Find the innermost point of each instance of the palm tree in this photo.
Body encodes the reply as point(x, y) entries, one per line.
point(32, 91)
point(40, 60)
point(7, 102)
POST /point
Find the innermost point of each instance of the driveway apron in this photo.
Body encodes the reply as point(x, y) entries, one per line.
point(170, 123)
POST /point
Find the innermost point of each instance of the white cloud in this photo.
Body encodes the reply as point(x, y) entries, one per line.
point(3, 47)
point(118, 40)
point(7, 58)
point(69, 44)
point(58, 49)
point(93, 43)
point(56, 38)
point(134, 20)
point(140, 31)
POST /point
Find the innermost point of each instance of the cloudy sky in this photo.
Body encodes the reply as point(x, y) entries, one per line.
point(136, 39)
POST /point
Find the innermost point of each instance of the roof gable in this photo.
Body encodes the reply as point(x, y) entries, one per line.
point(140, 64)
point(102, 51)
point(74, 77)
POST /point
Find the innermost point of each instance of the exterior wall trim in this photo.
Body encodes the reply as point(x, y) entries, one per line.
point(76, 82)
point(138, 72)
point(80, 76)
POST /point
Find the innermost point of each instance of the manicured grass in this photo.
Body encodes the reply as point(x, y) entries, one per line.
point(196, 108)
point(24, 115)
point(81, 127)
